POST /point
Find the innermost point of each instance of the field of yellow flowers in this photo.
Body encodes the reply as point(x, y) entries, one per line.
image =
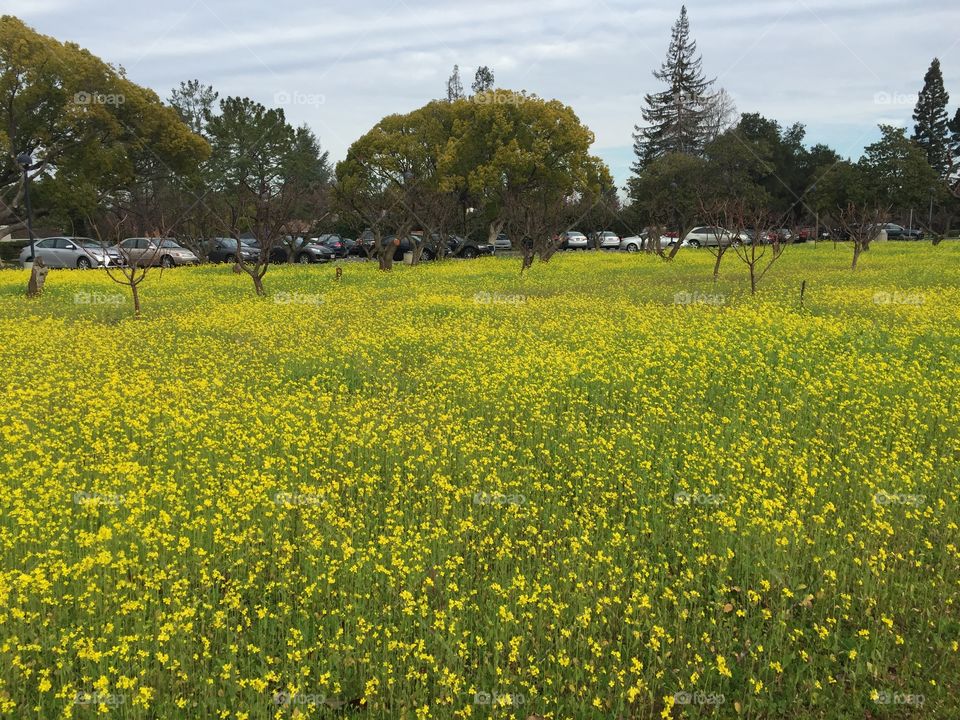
point(607, 489)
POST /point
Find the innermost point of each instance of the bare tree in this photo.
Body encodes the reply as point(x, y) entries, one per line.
point(862, 223)
point(764, 248)
point(130, 269)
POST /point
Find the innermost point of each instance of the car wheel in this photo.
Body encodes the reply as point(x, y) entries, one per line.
point(694, 243)
point(737, 243)
point(303, 259)
point(469, 253)
point(83, 263)
point(426, 256)
point(633, 247)
point(166, 261)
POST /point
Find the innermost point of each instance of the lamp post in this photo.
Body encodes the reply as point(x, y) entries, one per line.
point(26, 162)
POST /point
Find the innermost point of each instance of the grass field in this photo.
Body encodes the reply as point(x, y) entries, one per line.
point(608, 489)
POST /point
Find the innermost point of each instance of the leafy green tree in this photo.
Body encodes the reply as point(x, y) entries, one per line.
point(521, 160)
point(265, 175)
point(897, 175)
point(483, 81)
point(195, 104)
point(94, 136)
point(931, 131)
point(678, 119)
point(669, 194)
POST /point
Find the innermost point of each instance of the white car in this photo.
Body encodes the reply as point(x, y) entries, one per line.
point(607, 240)
point(712, 236)
point(503, 242)
point(573, 240)
point(635, 243)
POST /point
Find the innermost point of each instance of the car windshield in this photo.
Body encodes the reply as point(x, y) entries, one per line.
point(228, 242)
point(168, 244)
point(84, 242)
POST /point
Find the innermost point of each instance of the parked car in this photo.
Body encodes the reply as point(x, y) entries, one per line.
point(165, 252)
point(279, 251)
point(807, 233)
point(225, 250)
point(712, 236)
point(72, 252)
point(573, 240)
point(312, 251)
point(503, 242)
point(636, 243)
point(898, 232)
point(606, 239)
point(335, 243)
point(465, 248)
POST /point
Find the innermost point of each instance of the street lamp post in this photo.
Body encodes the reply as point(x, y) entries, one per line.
point(26, 162)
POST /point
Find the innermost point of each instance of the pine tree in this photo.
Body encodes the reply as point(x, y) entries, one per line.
point(483, 81)
point(955, 142)
point(454, 85)
point(676, 117)
point(930, 131)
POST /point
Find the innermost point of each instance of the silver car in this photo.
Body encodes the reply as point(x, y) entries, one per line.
point(712, 236)
point(156, 251)
point(71, 252)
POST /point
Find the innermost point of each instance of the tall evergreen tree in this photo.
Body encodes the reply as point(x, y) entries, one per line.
point(483, 81)
point(930, 115)
point(955, 142)
point(454, 85)
point(675, 118)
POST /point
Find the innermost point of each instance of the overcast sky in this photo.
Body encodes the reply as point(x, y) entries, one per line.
point(838, 66)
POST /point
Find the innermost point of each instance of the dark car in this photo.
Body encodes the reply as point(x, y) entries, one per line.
point(225, 250)
point(312, 251)
point(898, 232)
point(464, 248)
point(335, 243)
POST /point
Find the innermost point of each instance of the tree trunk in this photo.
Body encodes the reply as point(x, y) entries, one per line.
point(753, 280)
point(258, 284)
point(38, 276)
point(856, 255)
point(135, 291)
point(716, 266)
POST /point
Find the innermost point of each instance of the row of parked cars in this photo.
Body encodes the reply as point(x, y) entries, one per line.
point(84, 253)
